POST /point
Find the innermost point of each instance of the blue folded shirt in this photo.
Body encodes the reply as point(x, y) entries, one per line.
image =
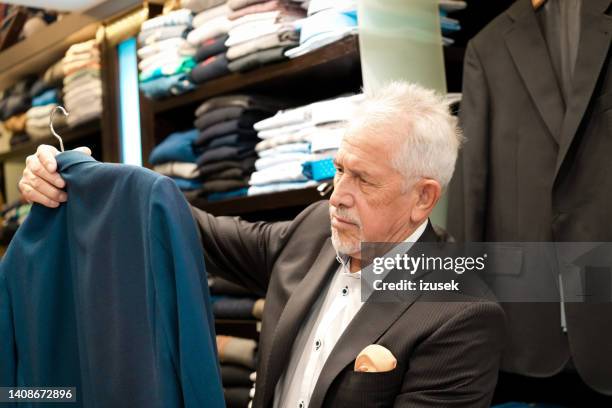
point(187, 184)
point(46, 98)
point(177, 146)
point(167, 86)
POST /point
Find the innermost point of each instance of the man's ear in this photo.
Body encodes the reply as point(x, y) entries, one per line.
point(427, 192)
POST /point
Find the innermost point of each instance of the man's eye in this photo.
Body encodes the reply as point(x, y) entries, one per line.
point(339, 169)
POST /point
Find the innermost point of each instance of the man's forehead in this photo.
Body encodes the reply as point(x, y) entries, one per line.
point(359, 145)
point(362, 161)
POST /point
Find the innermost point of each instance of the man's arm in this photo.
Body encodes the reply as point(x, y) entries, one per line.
point(456, 367)
point(241, 251)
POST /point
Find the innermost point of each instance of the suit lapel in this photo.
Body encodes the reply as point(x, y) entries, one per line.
point(595, 33)
point(293, 315)
point(368, 325)
point(530, 55)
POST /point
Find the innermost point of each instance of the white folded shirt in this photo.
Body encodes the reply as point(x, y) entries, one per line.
point(286, 148)
point(327, 139)
point(92, 88)
point(158, 47)
point(177, 17)
point(184, 170)
point(214, 28)
point(264, 163)
point(159, 59)
point(268, 16)
point(210, 14)
point(281, 140)
point(285, 130)
point(289, 171)
point(284, 118)
point(320, 41)
point(243, 35)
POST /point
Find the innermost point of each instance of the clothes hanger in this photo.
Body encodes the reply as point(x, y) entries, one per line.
point(51, 124)
point(537, 3)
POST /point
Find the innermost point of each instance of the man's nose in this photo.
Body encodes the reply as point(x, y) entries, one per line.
point(342, 194)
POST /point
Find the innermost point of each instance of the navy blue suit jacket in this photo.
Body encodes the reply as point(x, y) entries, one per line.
point(108, 293)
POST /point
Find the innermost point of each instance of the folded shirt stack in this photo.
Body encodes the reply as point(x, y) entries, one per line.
point(328, 21)
point(294, 137)
point(5, 138)
point(37, 121)
point(449, 25)
point(13, 215)
point(226, 141)
point(260, 32)
point(16, 126)
point(174, 157)
point(166, 57)
point(209, 36)
point(197, 6)
point(46, 89)
point(16, 99)
point(233, 301)
point(237, 357)
point(82, 90)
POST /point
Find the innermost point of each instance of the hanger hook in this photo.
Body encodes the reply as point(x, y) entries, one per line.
point(51, 124)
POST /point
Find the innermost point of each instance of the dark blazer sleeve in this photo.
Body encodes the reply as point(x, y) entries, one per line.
point(456, 366)
point(468, 190)
point(245, 252)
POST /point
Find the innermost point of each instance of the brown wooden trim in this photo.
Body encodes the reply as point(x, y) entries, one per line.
point(259, 203)
point(33, 55)
point(68, 135)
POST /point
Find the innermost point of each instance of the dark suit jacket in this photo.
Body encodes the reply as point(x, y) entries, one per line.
point(448, 352)
point(107, 293)
point(536, 168)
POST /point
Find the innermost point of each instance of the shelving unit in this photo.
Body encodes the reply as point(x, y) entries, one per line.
point(324, 73)
point(337, 58)
point(48, 45)
point(70, 137)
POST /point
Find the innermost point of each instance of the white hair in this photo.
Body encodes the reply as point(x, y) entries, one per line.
point(421, 121)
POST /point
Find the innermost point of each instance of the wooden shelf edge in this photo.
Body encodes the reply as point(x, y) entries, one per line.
point(43, 48)
point(236, 321)
point(262, 202)
point(346, 47)
point(68, 135)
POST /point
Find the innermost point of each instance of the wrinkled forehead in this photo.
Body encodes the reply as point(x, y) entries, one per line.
point(366, 148)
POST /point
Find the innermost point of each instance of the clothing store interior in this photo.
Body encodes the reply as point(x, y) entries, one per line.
point(174, 259)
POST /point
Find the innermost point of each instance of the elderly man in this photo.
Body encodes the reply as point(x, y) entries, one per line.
point(397, 156)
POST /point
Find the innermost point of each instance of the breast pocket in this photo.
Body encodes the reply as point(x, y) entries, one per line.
point(357, 389)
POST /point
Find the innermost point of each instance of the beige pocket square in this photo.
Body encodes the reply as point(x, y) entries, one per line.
point(375, 359)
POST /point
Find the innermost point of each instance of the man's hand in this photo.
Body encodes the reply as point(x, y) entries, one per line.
point(41, 183)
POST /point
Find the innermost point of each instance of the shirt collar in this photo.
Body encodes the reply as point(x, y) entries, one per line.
point(70, 158)
point(345, 261)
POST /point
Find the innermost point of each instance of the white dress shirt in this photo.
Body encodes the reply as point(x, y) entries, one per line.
point(328, 318)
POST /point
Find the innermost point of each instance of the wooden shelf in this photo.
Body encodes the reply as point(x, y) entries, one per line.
point(34, 54)
point(259, 203)
point(68, 136)
point(341, 55)
point(238, 328)
point(237, 321)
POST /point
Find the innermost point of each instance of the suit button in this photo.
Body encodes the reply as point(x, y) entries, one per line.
point(318, 344)
point(301, 404)
point(345, 291)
